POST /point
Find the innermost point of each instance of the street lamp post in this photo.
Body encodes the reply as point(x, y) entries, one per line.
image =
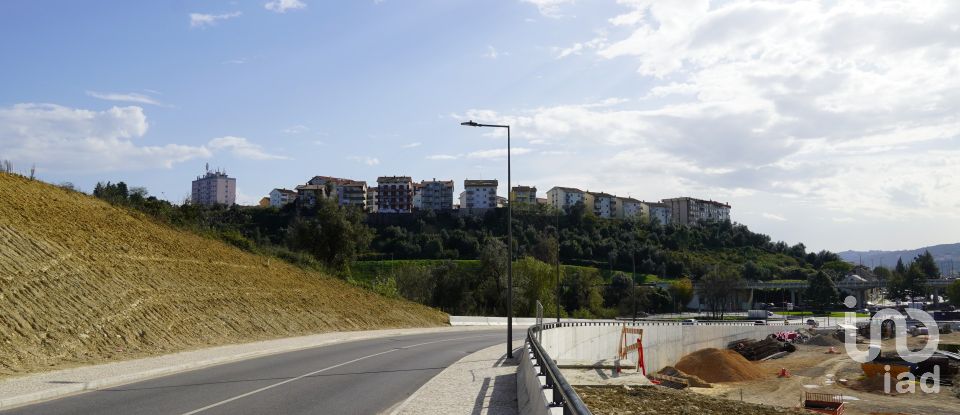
point(509, 238)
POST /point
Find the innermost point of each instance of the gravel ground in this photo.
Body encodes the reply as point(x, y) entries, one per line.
point(663, 401)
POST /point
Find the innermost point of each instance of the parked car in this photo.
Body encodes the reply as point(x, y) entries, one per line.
point(760, 323)
point(812, 322)
point(689, 322)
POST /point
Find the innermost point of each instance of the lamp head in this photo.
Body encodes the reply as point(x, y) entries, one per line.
point(470, 124)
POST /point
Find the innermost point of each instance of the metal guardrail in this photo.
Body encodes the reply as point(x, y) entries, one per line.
point(563, 394)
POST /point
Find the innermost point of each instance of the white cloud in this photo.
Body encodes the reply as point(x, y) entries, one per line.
point(412, 145)
point(773, 216)
point(443, 157)
point(491, 52)
point(204, 20)
point(846, 106)
point(296, 129)
point(240, 147)
point(64, 139)
point(237, 61)
point(370, 161)
point(281, 6)
point(579, 47)
point(133, 97)
point(550, 8)
point(497, 153)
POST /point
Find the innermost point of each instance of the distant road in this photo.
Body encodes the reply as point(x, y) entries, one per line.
point(360, 377)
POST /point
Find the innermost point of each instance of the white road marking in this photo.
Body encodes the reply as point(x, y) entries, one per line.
point(225, 401)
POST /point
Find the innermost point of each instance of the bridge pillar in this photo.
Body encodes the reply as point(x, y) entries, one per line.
point(751, 301)
point(793, 297)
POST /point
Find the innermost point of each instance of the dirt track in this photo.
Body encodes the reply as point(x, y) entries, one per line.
point(83, 282)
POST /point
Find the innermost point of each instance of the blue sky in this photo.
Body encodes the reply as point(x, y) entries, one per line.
point(831, 124)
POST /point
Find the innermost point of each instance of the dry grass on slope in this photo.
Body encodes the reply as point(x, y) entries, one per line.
point(82, 282)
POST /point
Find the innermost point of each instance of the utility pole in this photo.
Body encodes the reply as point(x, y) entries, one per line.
point(633, 259)
point(558, 265)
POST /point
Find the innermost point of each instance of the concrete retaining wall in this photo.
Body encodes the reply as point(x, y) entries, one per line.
point(663, 345)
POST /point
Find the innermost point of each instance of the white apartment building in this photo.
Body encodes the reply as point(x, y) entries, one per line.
point(281, 197)
point(524, 195)
point(659, 212)
point(690, 211)
point(347, 191)
point(478, 194)
point(433, 195)
point(603, 205)
point(372, 199)
point(394, 194)
point(214, 188)
point(564, 197)
point(630, 208)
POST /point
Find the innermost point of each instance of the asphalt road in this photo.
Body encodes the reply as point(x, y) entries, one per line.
point(359, 377)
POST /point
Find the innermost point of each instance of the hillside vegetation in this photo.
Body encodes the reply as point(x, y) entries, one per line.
point(82, 281)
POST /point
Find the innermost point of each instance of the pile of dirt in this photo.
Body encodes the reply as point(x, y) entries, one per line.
point(83, 282)
point(715, 365)
point(824, 340)
point(693, 381)
point(650, 400)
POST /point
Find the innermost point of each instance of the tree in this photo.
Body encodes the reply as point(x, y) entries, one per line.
point(882, 273)
point(754, 272)
point(899, 268)
point(928, 266)
point(914, 281)
point(821, 291)
point(953, 292)
point(582, 291)
point(546, 250)
point(334, 236)
point(682, 291)
point(493, 270)
point(718, 288)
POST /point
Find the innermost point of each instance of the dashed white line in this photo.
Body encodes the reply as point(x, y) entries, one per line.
point(225, 401)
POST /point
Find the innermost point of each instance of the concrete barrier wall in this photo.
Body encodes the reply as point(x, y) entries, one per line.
point(502, 321)
point(663, 345)
point(532, 398)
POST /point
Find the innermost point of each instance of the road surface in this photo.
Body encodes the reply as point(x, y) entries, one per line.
point(359, 377)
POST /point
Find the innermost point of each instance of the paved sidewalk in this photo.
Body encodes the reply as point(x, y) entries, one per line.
point(484, 382)
point(48, 385)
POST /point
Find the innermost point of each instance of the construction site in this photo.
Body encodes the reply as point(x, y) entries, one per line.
point(798, 370)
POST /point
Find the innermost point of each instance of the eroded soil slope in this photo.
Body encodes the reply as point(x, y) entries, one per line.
point(82, 282)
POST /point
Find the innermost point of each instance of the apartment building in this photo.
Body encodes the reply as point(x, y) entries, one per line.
point(479, 194)
point(348, 192)
point(630, 208)
point(280, 197)
point(691, 211)
point(394, 194)
point(564, 197)
point(434, 195)
point(603, 205)
point(372, 199)
point(524, 195)
point(214, 188)
point(659, 212)
point(309, 194)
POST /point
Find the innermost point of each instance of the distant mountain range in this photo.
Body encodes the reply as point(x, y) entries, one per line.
point(947, 257)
